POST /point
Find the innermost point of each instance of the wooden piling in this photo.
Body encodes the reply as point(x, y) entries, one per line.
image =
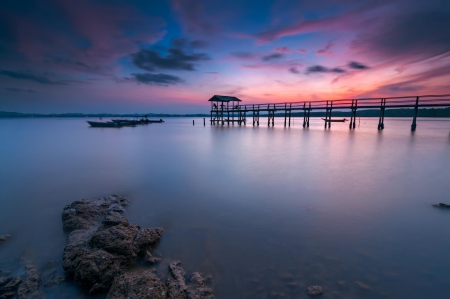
point(416, 110)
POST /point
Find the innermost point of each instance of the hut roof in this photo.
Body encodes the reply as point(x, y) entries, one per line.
point(217, 98)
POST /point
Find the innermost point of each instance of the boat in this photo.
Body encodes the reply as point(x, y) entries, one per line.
point(154, 121)
point(104, 124)
point(335, 120)
point(126, 122)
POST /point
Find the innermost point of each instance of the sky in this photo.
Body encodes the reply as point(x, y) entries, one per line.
point(158, 56)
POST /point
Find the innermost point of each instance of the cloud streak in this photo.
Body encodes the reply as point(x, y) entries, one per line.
point(156, 79)
point(31, 77)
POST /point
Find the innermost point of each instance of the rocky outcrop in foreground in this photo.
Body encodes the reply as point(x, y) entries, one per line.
point(146, 285)
point(102, 244)
point(27, 288)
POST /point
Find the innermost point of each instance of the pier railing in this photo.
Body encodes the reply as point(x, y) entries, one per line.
point(218, 113)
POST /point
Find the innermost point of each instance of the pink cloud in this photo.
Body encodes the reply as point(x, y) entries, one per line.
point(327, 49)
point(302, 51)
point(284, 50)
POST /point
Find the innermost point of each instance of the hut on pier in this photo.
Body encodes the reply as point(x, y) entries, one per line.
point(224, 104)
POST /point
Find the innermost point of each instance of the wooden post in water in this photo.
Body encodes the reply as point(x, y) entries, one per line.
point(285, 114)
point(192, 122)
point(351, 117)
point(204, 121)
point(381, 120)
point(290, 111)
point(416, 109)
point(326, 115)
point(329, 116)
point(309, 112)
point(304, 114)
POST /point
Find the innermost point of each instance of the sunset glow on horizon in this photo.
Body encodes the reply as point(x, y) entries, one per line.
point(172, 56)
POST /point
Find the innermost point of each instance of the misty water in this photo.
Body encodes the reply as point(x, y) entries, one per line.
point(265, 211)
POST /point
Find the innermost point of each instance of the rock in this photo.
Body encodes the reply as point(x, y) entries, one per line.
point(4, 238)
point(30, 287)
point(8, 285)
point(177, 288)
point(315, 290)
point(97, 252)
point(442, 205)
point(140, 284)
point(149, 258)
point(176, 281)
point(197, 289)
point(54, 280)
point(83, 214)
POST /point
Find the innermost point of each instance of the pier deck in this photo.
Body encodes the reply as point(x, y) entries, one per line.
point(222, 112)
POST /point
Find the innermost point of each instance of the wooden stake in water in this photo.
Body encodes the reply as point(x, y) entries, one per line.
point(192, 122)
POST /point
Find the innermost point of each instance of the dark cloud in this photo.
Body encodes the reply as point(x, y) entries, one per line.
point(20, 90)
point(272, 56)
point(31, 77)
point(357, 65)
point(156, 79)
point(421, 34)
point(294, 70)
point(322, 69)
point(186, 43)
point(243, 55)
point(176, 59)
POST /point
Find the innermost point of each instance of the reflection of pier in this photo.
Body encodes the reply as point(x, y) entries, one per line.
point(224, 109)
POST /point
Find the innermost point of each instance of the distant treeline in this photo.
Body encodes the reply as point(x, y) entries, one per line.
point(106, 115)
point(424, 112)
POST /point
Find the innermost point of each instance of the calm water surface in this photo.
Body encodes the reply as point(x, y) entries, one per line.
point(265, 211)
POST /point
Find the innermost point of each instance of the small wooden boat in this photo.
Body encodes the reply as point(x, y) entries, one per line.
point(153, 121)
point(336, 120)
point(126, 122)
point(104, 124)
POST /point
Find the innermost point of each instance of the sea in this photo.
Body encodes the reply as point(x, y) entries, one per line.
point(263, 211)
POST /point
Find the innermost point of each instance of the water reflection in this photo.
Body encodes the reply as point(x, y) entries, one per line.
point(266, 210)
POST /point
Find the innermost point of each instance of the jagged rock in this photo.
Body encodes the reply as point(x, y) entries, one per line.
point(141, 284)
point(4, 238)
point(30, 287)
point(95, 253)
point(177, 288)
point(176, 284)
point(197, 289)
point(83, 214)
point(442, 205)
point(54, 280)
point(8, 285)
point(315, 290)
point(149, 258)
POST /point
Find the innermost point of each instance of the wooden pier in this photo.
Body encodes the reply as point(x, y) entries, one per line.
point(224, 109)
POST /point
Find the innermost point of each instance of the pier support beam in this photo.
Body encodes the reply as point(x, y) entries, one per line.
point(416, 109)
point(290, 111)
point(304, 114)
point(309, 113)
point(285, 114)
point(382, 109)
point(353, 115)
